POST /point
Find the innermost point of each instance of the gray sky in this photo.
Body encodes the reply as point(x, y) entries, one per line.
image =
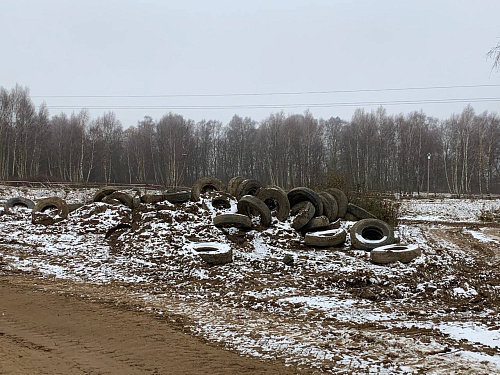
point(127, 48)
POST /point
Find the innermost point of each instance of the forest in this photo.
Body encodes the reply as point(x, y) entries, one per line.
point(373, 151)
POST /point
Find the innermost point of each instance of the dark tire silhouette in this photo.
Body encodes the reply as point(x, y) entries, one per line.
point(102, 192)
point(301, 194)
point(303, 212)
point(123, 198)
point(205, 185)
point(368, 234)
point(249, 205)
point(277, 201)
point(233, 184)
point(18, 201)
point(232, 220)
point(330, 206)
point(247, 187)
point(38, 216)
point(341, 199)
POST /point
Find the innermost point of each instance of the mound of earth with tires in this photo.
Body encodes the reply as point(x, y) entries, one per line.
point(301, 276)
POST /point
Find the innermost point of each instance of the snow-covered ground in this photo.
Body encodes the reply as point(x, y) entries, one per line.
point(332, 310)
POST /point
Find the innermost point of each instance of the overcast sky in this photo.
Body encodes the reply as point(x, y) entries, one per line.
point(177, 49)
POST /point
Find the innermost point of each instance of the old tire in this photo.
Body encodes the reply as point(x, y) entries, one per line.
point(205, 185)
point(394, 253)
point(341, 199)
point(303, 212)
point(233, 184)
point(359, 212)
point(350, 217)
point(232, 220)
point(301, 194)
point(247, 187)
point(123, 198)
point(276, 200)
point(18, 201)
point(330, 206)
point(102, 192)
point(39, 217)
point(327, 238)
point(368, 234)
point(213, 253)
point(220, 200)
point(249, 205)
point(315, 224)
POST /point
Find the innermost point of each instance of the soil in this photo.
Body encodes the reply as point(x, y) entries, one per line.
point(50, 327)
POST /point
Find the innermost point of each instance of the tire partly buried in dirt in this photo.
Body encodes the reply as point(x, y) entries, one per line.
point(315, 224)
point(301, 194)
point(367, 234)
point(303, 212)
point(18, 201)
point(394, 253)
point(359, 212)
point(330, 206)
point(123, 198)
point(341, 199)
point(102, 192)
point(276, 200)
point(38, 216)
point(247, 187)
point(178, 196)
point(327, 238)
point(213, 253)
point(232, 220)
point(205, 185)
point(249, 205)
point(233, 184)
point(220, 200)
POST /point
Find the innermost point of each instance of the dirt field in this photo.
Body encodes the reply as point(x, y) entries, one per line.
point(49, 327)
point(332, 311)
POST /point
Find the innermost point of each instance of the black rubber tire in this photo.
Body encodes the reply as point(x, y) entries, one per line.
point(301, 194)
point(341, 199)
point(315, 224)
point(205, 185)
point(249, 205)
point(248, 187)
point(102, 192)
point(178, 196)
point(330, 206)
point(18, 201)
point(124, 198)
point(368, 234)
point(328, 238)
point(276, 200)
point(233, 184)
point(232, 220)
point(395, 253)
point(303, 212)
point(350, 217)
point(220, 199)
point(38, 216)
point(213, 253)
point(359, 212)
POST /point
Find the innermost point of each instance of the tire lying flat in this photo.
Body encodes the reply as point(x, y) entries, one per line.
point(367, 234)
point(326, 238)
point(395, 253)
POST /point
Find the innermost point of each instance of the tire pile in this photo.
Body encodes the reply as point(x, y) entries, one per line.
point(317, 216)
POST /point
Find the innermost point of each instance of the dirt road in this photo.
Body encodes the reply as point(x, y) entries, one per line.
point(48, 330)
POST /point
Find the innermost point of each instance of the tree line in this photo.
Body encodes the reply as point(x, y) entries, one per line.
point(373, 151)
